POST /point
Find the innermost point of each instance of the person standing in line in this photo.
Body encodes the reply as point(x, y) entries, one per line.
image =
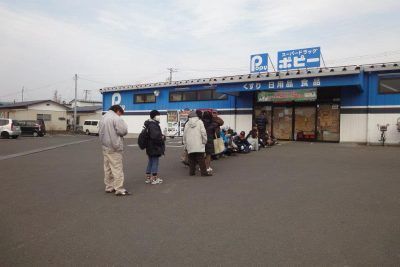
point(262, 122)
point(155, 147)
point(112, 128)
point(211, 129)
point(195, 139)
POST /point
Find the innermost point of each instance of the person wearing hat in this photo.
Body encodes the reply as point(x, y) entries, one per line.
point(155, 147)
point(195, 139)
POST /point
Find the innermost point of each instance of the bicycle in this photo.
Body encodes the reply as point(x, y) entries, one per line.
point(383, 129)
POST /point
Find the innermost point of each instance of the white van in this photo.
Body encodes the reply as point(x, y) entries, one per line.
point(91, 127)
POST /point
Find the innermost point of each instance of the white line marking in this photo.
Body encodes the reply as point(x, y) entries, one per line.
point(25, 153)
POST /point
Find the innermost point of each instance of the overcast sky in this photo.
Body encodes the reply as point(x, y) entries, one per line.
point(44, 43)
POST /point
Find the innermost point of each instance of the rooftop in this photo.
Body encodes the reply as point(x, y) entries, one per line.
point(292, 74)
point(25, 104)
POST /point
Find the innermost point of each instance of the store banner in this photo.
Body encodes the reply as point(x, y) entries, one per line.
point(288, 95)
point(299, 58)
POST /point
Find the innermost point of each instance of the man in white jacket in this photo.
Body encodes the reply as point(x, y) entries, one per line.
point(111, 131)
point(195, 139)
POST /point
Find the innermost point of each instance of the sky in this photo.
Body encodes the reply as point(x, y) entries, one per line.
point(43, 44)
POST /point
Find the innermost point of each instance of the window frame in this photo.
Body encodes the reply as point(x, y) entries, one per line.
point(145, 97)
point(213, 96)
point(43, 117)
point(388, 77)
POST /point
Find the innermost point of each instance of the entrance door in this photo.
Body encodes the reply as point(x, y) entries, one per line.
point(328, 124)
point(282, 123)
point(304, 129)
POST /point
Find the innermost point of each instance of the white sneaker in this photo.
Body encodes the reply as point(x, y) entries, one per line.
point(156, 181)
point(209, 169)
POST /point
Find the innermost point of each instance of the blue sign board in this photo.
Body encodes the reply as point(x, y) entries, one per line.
point(299, 58)
point(298, 83)
point(258, 63)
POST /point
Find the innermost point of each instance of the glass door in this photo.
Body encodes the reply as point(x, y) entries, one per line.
point(305, 123)
point(282, 123)
point(328, 123)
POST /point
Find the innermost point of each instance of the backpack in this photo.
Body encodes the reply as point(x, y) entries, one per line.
point(143, 138)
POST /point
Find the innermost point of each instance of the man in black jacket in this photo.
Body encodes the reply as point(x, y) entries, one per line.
point(262, 122)
point(155, 147)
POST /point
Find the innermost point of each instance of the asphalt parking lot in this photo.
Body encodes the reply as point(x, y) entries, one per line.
point(297, 204)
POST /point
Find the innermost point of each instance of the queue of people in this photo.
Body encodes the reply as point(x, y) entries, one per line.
point(203, 128)
point(203, 139)
point(112, 129)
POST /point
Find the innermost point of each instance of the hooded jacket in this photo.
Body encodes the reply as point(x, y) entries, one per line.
point(156, 145)
point(194, 136)
point(111, 130)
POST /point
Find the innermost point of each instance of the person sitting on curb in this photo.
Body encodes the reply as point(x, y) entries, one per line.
point(252, 138)
point(242, 143)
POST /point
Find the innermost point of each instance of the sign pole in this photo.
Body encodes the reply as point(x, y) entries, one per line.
point(273, 67)
point(323, 61)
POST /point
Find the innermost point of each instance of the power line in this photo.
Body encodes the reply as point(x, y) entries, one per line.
point(34, 89)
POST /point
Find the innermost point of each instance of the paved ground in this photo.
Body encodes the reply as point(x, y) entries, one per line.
point(295, 204)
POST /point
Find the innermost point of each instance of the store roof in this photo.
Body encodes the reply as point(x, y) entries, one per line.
point(301, 73)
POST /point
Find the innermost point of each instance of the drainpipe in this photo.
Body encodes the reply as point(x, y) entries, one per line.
point(367, 110)
point(235, 111)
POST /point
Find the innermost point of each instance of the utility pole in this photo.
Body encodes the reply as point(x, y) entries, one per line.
point(76, 90)
point(86, 93)
point(22, 98)
point(171, 70)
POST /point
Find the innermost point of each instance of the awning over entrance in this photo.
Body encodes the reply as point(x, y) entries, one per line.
point(280, 83)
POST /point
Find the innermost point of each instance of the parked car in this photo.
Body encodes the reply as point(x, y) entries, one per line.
point(9, 128)
point(91, 127)
point(32, 127)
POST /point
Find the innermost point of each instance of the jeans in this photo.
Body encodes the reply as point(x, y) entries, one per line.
point(152, 165)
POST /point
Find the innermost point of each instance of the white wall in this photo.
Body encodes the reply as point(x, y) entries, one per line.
point(135, 122)
point(244, 123)
point(392, 135)
point(353, 128)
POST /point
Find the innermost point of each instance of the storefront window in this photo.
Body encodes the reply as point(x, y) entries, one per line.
point(145, 98)
point(389, 86)
point(174, 97)
point(189, 96)
point(282, 123)
point(328, 127)
point(204, 95)
point(219, 96)
point(304, 123)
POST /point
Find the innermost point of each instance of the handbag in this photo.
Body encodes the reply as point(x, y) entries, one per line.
point(185, 158)
point(219, 145)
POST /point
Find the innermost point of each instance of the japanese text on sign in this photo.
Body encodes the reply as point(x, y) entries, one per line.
point(299, 58)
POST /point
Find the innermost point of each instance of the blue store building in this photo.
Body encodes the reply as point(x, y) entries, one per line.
point(339, 104)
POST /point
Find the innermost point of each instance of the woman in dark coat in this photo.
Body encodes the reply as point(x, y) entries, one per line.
point(211, 129)
point(155, 147)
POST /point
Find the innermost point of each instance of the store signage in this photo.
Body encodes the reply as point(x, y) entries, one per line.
point(284, 84)
point(299, 58)
point(258, 63)
point(286, 96)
